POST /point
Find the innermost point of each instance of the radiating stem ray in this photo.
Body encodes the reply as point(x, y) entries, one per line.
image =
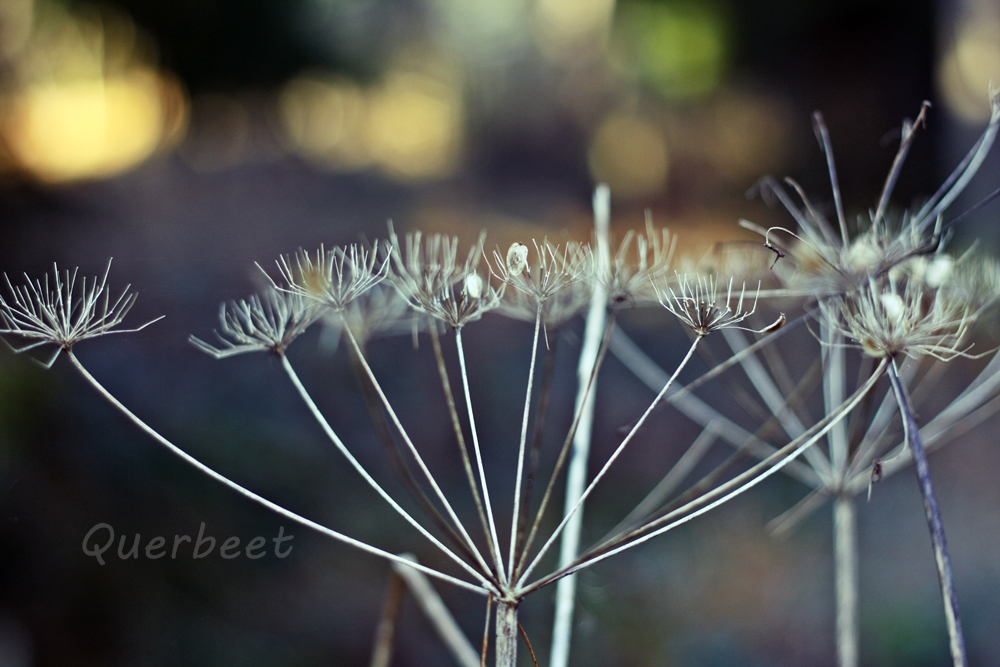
point(497, 558)
point(483, 588)
point(409, 443)
point(460, 436)
point(942, 559)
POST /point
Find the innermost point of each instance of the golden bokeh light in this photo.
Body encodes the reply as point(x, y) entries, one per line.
point(324, 119)
point(561, 25)
point(88, 128)
point(970, 66)
point(82, 101)
point(629, 153)
point(410, 125)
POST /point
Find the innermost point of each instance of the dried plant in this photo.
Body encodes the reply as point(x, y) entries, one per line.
point(886, 300)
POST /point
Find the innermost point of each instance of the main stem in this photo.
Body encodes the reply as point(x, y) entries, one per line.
point(934, 522)
point(506, 649)
point(845, 559)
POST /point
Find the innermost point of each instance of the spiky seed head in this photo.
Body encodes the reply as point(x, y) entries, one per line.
point(706, 304)
point(265, 323)
point(430, 278)
point(59, 314)
point(332, 277)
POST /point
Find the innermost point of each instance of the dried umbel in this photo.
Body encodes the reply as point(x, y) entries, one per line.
point(885, 320)
point(332, 277)
point(430, 278)
point(554, 281)
point(269, 322)
point(639, 260)
point(706, 303)
point(57, 314)
point(825, 258)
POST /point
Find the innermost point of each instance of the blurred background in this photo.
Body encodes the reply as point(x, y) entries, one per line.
point(189, 139)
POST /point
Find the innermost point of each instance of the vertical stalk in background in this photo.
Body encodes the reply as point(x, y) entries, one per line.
point(934, 523)
point(845, 523)
point(845, 562)
point(576, 476)
point(385, 636)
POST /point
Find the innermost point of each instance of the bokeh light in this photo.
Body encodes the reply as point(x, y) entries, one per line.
point(410, 125)
point(679, 48)
point(972, 63)
point(629, 153)
point(85, 102)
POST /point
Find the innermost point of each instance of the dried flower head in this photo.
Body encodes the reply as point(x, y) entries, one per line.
point(267, 323)
point(554, 268)
point(335, 277)
point(57, 315)
point(639, 261)
point(430, 278)
point(826, 259)
point(705, 304)
point(885, 320)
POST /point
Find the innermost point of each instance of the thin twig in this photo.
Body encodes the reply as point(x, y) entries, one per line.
point(497, 558)
point(385, 635)
point(934, 523)
point(409, 443)
point(459, 435)
point(342, 448)
point(484, 588)
point(522, 442)
point(437, 613)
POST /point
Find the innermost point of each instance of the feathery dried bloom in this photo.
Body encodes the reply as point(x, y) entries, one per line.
point(554, 268)
point(57, 315)
point(335, 277)
point(826, 259)
point(430, 278)
point(974, 280)
point(267, 323)
point(639, 261)
point(704, 305)
point(917, 322)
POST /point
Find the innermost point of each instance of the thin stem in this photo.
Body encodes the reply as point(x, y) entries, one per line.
point(385, 635)
point(719, 496)
point(535, 451)
point(339, 444)
point(497, 558)
point(607, 464)
point(395, 453)
point(845, 559)
point(565, 449)
point(576, 475)
point(437, 613)
point(834, 390)
point(934, 522)
point(459, 435)
point(523, 440)
point(409, 443)
point(824, 139)
point(486, 632)
point(484, 588)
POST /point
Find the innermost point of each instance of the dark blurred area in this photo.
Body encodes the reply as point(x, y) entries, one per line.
point(189, 139)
